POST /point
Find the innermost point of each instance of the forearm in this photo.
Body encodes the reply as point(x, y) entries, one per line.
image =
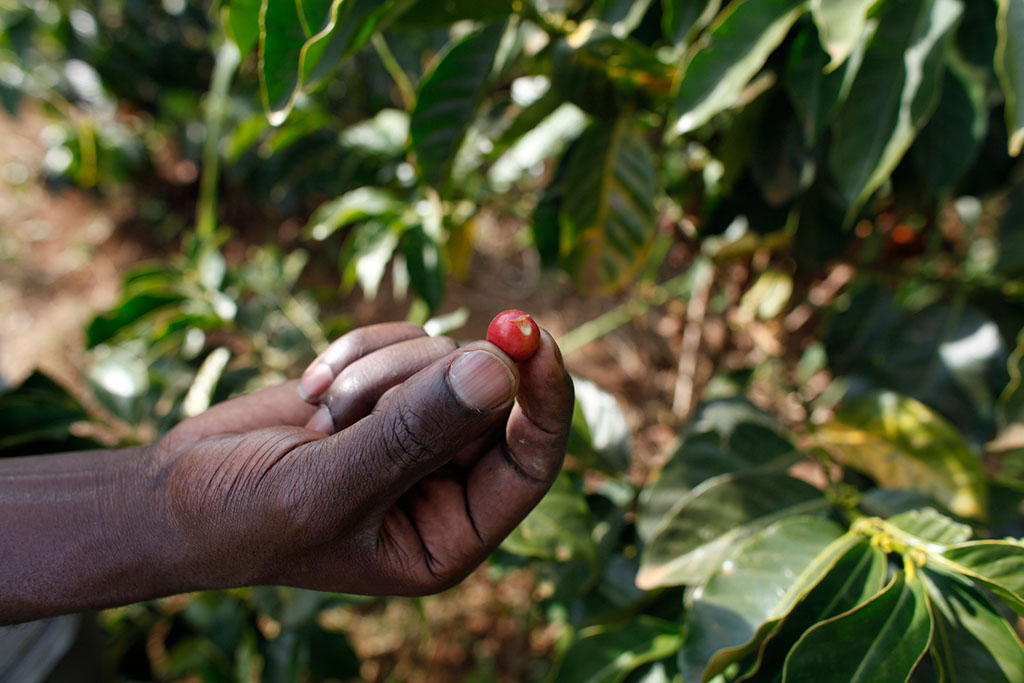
point(83, 531)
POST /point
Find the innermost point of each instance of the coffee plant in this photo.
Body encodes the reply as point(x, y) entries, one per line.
point(856, 163)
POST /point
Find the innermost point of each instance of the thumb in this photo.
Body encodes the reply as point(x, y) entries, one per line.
point(418, 425)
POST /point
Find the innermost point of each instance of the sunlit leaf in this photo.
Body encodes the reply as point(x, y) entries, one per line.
point(996, 565)
point(881, 640)
point(706, 524)
point(735, 50)
point(902, 444)
point(840, 24)
point(243, 23)
point(748, 594)
point(607, 654)
point(600, 433)
point(973, 642)
point(357, 205)
point(1009, 63)
point(856, 577)
point(930, 525)
point(895, 91)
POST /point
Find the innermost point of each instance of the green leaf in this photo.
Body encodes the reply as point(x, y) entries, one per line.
point(854, 579)
point(1009, 64)
point(120, 380)
point(840, 25)
point(600, 433)
point(726, 435)
point(36, 417)
point(681, 19)
point(548, 138)
point(446, 12)
point(950, 357)
point(747, 595)
point(973, 642)
point(705, 525)
point(1011, 400)
point(902, 444)
point(736, 48)
point(425, 262)
point(607, 214)
point(356, 205)
point(330, 654)
point(624, 15)
point(367, 254)
point(131, 310)
point(997, 565)
point(243, 23)
point(607, 654)
point(950, 142)
point(447, 100)
point(284, 29)
point(881, 640)
point(895, 91)
point(385, 134)
point(558, 529)
point(930, 525)
point(817, 95)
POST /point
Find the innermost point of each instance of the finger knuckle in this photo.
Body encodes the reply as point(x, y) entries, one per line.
point(415, 435)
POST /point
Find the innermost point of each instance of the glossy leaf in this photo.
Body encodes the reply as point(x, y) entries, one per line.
point(425, 261)
point(367, 253)
point(840, 25)
point(748, 594)
point(856, 577)
point(1009, 63)
point(131, 310)
point(881, 640)
point(930, 525)
point(736, 48)
point(285, 28)
point(705, 525)
point(895, 91)
point(608, 654)
point(448, 99)
point(600, 433)
point(548, 138)
point(996, 565)
point(607, 213)
point(356, 205)
point(681, 19)
point(558, 529)
point(902, 444)
point(973, 642)
point(243, 23)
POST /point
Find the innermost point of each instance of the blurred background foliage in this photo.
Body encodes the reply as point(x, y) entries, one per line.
point(816, 209)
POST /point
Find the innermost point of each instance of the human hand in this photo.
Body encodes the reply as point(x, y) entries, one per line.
point(410, 471)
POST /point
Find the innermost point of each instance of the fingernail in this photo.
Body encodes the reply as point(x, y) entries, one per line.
point(321, 421)
point(480, 380)
point(315, 382)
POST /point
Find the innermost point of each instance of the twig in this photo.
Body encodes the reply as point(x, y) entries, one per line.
point(696, 314)
point(387, 58)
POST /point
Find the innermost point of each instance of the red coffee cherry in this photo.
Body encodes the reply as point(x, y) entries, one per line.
point(515, 333)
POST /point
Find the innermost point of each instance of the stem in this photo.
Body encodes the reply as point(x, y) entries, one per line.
point(227, 61)
point(387, 58)
point(620, 315)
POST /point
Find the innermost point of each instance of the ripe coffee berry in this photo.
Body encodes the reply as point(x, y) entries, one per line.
point(515, 333)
